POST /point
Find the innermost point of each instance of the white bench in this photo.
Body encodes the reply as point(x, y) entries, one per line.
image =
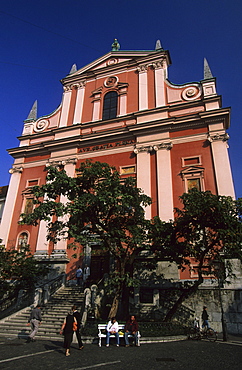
point(121, 327)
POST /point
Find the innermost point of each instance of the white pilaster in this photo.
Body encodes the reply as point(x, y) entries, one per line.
point(164, 182)
point(70, 166)
point(122, 104)
point(222, 167)
point(143, 88)
point(159, 86)
point(65, 107)
point(79, 105)
point(42, 244)
point(96, 110)
point(144, 176)
point(10, 203)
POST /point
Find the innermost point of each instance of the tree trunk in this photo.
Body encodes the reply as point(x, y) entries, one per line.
point(185, 294)
point(114, 308)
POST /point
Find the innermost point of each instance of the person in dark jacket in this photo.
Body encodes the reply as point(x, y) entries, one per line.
point(205, 317)
point(68, 330)
point(77, 315)
point(131, 328)
point(35, 319)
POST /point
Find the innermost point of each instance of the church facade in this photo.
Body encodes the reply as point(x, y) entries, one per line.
point(122, 109)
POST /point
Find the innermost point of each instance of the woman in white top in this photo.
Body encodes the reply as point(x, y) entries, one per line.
point(112, 328)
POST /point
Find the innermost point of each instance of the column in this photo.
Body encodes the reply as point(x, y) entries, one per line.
point(79, 104)
point(143, 88)
point(164, 181)
point(222, 169)
point(65, 106)
point(144, 174)
point(61, 246)
point(10, 203)
point(159, 84)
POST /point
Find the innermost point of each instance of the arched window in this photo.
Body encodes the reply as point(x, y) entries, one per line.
point(110, 105)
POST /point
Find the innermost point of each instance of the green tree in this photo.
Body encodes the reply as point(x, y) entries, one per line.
point(98, 202)
point(20, 267)
point(206, 231)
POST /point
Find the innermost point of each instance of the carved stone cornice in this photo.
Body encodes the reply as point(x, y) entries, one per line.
point(153, 148)
point(15, 170)
point(218, 137)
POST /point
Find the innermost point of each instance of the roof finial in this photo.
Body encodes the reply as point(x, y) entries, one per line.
point(115, 45)
point(158, 45)
point(33, 113)
point(73, 69)
point(207, 70)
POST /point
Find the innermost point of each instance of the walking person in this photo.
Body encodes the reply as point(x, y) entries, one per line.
point(112, 328)
point(131, 328)
point(205, 317)
point(35, 319)
point(77, 315)
point(67, 329)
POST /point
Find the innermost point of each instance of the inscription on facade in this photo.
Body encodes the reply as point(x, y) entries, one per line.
point(106, 146)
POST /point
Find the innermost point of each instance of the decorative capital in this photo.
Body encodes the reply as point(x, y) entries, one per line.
point(61, 163)
point(218, 137)
point(153, 148)
point(141, 149)
point(15, 170)
point(143, 68)
point(159, 64)
point(76, 85)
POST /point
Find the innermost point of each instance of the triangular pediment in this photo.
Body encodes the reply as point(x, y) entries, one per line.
point(192, 169)
point(112, 58)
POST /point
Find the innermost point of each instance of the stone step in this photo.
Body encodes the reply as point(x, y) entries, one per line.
point(53, 314)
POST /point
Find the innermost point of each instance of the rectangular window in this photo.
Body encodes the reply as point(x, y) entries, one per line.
point(191, 161)
point(126, 170)
point(32, 183)
point(29, 206)
point(146, 295)
point(193, 183)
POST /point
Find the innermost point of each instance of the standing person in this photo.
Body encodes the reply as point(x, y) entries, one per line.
point(79, 275)
point(205, 317)
point(35, 319)
point(68, 329)
point(86, 273)
point(112, 328)
point(77, 315)
point(131, 328)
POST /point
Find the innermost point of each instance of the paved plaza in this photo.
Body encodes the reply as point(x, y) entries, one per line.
point(185, 354)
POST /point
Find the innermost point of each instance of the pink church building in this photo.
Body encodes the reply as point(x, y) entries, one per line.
point(122, 109)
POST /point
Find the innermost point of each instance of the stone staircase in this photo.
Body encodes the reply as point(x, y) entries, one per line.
point(53, 314)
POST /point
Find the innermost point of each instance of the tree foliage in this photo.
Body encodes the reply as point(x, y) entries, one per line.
point(97, 202)
point(206, 232)
point(20, 267)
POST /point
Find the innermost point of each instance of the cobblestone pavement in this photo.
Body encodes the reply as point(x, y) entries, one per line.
point(186, 354)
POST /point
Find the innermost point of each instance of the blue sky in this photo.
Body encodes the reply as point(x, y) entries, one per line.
point(41, 40)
